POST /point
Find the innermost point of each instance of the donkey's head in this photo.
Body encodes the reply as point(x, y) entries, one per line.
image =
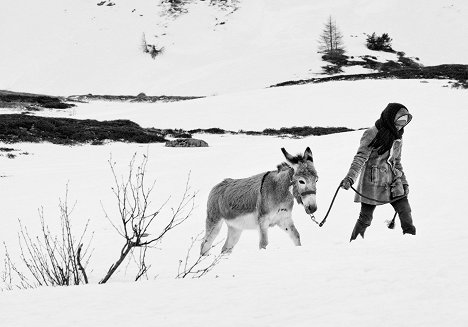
point(304, 179)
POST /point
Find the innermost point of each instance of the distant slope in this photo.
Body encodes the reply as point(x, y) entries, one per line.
point(30, 101)
point(78, 47)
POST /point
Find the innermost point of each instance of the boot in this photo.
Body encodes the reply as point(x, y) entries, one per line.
point(403, 208)
point(409, 230)
point(359, 229)
point(364, 220)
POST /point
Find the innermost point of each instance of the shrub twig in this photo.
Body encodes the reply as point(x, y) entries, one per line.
point(136, 215)
point(197, 269)
point(54, 260)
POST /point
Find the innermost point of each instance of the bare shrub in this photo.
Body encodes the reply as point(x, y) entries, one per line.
point(201, 265)
point(11, 277)
point(154, 52)
point(50, 259)
point(6, 276)
point(57, 260)
point(136, 215)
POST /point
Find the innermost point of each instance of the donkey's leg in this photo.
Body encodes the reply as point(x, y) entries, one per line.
point(263, 229)
point(290, 229)
point(212, 230)
point(232, 239)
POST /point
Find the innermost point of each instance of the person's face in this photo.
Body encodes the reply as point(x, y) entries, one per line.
point(400, 124)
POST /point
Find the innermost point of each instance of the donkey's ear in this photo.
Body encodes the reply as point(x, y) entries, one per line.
point(288, 157)
point(308, 154)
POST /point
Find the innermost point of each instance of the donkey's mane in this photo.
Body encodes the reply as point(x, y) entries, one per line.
point(283, 166)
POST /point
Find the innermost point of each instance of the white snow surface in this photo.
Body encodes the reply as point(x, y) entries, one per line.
point(64, 47)
point(387, 279)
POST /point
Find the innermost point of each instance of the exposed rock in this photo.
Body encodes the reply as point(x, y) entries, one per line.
point(187, 143)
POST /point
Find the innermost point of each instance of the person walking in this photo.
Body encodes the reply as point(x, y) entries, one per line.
point(382, 179)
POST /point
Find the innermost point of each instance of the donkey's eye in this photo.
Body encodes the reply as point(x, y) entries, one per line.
point(301, 182)
point(316, 179)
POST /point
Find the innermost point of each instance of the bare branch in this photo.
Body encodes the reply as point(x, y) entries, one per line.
point(137, 215)
point(11, 267)
point(142, 267)
point(195, 269)
point(80, 266)
point(51, 259)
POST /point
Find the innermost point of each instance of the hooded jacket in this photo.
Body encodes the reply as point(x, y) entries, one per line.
point(378, 174)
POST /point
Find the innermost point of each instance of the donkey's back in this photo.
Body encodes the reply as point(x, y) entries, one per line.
point(234, 197)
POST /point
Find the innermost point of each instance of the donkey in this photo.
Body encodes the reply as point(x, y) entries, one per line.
point(261, 201)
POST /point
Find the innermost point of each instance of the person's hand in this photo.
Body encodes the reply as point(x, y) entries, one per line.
point(406, 189)
point(346, 183)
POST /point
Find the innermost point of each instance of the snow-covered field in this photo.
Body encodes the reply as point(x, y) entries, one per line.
point(65, 47)
point(388, 278)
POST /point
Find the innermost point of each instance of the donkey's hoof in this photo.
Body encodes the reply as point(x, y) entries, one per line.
point(226, 251)
point(204, 251)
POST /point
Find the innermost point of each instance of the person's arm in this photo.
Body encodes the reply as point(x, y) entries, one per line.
point(362, 155)
point(400, 167)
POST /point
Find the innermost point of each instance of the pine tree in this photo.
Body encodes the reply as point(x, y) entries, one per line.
point(331, 39)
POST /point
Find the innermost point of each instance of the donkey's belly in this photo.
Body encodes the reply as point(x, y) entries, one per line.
point(247, 221)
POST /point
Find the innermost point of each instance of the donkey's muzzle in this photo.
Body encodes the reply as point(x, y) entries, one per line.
point(309, 202)
point(310, 209)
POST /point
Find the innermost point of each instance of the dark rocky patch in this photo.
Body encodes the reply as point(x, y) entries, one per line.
point(31, 101)
point(450, 71)
point(186, 143)
point(7, 150)
point(214, 130)
point(176, 133)
point(283, 131)
point(25, 128)
point(11, 153)
point(142, 97)
point(305, 131)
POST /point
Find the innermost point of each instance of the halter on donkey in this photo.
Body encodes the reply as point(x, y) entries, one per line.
point(262, 201)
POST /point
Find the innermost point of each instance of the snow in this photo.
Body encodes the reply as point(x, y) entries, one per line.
point(303, 105)
point(79, 48)
point(388, 278)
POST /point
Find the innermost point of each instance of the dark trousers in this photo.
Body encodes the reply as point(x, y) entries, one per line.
point(402, 207)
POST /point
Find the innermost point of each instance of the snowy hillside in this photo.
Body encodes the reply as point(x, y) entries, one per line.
point(65, 47)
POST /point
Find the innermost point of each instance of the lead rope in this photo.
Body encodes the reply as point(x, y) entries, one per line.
point(328, 212)
point(391, 223)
